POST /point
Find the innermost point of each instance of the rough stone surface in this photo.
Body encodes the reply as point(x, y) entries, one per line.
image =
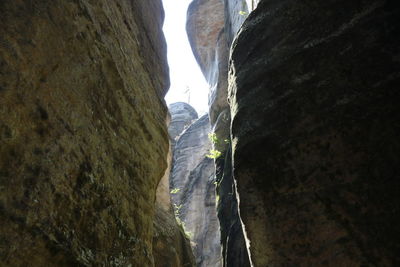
point(171, 247)
point(205, 29)
point(315, 125)
point(234, 248)
point(205, 19)
point(210, 38)
point(192, 179)
point(236, 12)
point(83, 139)
point(163, 198)
point(182, 115)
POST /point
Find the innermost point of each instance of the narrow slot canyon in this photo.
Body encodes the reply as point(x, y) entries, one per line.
point(207, 133)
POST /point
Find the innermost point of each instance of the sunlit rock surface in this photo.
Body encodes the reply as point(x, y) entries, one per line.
point(83, 138)
point(315, 124)
point(193, 192)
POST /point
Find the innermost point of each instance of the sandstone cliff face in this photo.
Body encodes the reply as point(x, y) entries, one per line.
point(232, 239)
point(182, 115)
point(83, 141)
point(315, 124)
point(171, 246)
point(193, 191)
point(210, 38)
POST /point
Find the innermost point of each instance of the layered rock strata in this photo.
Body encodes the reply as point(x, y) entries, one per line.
point(193, 191)
point(83, 138)
point(313, 91)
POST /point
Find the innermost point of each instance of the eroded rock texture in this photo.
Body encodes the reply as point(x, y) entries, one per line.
point(83, 141)
point(182, 115)
point(232, 239)
point(315, 124)
point(171, 246)
point(193, 192)
point(210, 37)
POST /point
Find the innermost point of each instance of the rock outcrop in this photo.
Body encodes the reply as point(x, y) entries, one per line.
point(314, 107)
point(182, 115)
point(83, 138)
point(171, 246)
point(232, 239)
point(193, 191)
point(210, 38)
point(313, 91)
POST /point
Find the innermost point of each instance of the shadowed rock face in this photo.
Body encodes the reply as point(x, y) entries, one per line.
point(234, 249)
point(192, 183)
point(83, 138)
point(315, 125)
point(171, 247)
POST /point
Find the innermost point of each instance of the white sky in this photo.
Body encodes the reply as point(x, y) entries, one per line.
point(184, 71)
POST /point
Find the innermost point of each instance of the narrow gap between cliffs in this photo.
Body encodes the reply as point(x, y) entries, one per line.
point(192, 173)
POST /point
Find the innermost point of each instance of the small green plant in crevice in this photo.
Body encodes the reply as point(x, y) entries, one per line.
point(242, 13)
point(177, 209)
point(188, 234)
point(181, 223)
point(213, 138)
point(175, 190)
point(214, 154)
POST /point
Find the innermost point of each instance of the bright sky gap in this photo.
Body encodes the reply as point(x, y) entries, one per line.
point(187, 82)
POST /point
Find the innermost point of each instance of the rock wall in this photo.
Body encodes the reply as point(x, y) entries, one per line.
point(313, 91)
point(171, 246)
point(83, 138)
point(232, 239)
point(182, 116)
point(313, 101)
point(210, 37)
point(193, 190)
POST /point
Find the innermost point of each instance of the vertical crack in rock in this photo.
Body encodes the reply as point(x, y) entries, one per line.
point(193, 183)
point(211, 27)
point(313, 101)
point(309, 151)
